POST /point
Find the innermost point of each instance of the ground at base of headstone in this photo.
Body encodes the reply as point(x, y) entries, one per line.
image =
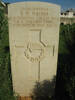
point(24, 98)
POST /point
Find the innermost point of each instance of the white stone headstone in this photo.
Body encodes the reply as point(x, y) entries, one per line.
point(34, 38)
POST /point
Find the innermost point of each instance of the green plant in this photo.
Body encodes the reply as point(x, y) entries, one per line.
point(44, 90)
point(6, 91)
point(65, 84)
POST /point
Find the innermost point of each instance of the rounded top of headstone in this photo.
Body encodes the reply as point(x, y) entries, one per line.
point(35, 2)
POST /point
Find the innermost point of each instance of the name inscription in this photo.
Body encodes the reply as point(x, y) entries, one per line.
point(33, 17)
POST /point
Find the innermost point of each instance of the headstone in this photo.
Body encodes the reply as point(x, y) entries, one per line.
point(34, 38)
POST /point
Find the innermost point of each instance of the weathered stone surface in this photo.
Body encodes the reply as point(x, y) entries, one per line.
point(34, 37)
